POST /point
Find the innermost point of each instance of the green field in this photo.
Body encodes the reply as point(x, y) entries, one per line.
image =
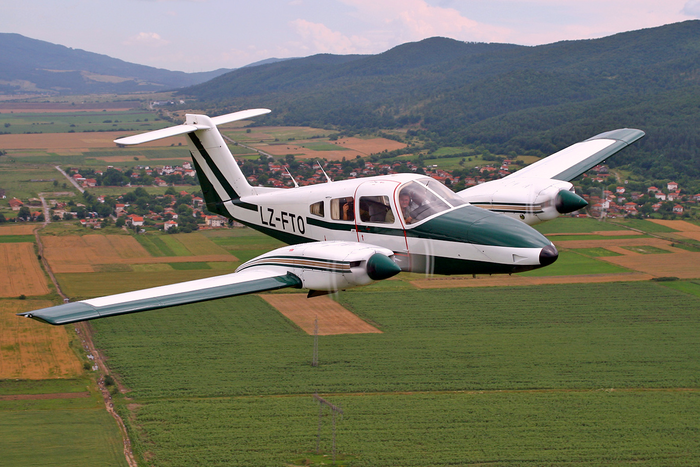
point(573, 263)
point(17, 239)
point(646, 249)
point(57, 432)
point(66, 122)
point(492, 375)
point(595, 252)
point(572, 225)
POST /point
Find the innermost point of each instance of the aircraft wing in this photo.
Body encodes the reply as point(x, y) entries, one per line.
point(228, 285)
point(319, 266)
point(571, 162)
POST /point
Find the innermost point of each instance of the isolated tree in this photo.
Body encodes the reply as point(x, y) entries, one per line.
point(24, 213)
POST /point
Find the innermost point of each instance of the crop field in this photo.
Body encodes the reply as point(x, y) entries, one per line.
point(31, 350)
point(20, 272)
point(17, 229)
point(457, 376)
point(330, 316)
point(65, 122)
point(57, 431)
point(80, 286)
point(28, 183)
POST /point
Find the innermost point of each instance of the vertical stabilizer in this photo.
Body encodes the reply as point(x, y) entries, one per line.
point(218, 172)
point(214, 161)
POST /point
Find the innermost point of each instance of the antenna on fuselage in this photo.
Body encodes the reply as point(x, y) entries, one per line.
point(324, 172)
point(296, 185)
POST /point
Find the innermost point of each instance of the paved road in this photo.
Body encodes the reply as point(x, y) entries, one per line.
point(75, 184)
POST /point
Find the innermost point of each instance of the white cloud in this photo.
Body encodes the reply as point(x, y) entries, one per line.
point(412, 20)
point(319, 38)
point(692, 8)
point(147, 39)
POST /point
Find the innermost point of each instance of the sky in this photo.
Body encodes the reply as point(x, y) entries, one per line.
point(204, 35)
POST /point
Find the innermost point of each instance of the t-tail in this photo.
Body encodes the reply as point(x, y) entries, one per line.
point(219, 175)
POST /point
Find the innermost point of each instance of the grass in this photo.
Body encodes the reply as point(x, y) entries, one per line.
point(162, 245)
point(569, 428)
point(189, 266)
point(646, 249)
point(323, 146)
point(60, 434)
point(435, 343)
point(47, 386)
point(493, 375)
point(65, 122)
point(17, 239)
point(595, 252)
point(691, 287)
point(571, 263)
point(646, 226)
point(57, 432)
point(81, 286)
point(571, 225)
point(16, 180)
point(566, 238)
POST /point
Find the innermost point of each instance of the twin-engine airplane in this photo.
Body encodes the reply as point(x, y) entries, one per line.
point(350, 233)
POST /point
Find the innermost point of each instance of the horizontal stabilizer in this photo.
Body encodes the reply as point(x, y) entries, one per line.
point(189, 128)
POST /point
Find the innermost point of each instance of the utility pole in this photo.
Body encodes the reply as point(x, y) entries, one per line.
point(314, 359)
point(334, 410)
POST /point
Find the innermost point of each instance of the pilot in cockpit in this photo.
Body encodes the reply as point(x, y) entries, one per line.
point(405, 205)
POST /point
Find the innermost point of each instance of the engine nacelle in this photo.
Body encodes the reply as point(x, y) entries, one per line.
point(329, 266)
point(532, 200)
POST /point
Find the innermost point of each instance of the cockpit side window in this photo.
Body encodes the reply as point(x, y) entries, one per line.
point(343, 209)
point(376, 209)
point(317, 209)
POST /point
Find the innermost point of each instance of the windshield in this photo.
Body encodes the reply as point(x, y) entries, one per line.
point(417, 201)
point(444, 192)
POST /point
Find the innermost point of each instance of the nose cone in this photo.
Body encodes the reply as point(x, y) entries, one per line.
point(568, 201)
point(548, 255)
point(381, 267)
point(499, 230)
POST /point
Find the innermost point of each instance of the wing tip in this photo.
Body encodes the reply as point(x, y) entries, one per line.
point(626, 135)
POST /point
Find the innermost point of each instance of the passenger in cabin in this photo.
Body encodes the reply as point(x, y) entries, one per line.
point(348, 210)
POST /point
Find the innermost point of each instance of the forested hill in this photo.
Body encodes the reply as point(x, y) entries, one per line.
point(506, 97)
point(30, 65)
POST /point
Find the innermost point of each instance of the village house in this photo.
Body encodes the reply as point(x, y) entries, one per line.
point(672, 186)
point(678, 209)
point(15, 204)
point(134, 220)
point(215, 221)
point(169, 225)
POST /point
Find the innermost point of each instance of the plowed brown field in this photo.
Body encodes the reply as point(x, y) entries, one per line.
point(18, 229)
point(32, 350)
point(20, 272)
point(348, 148)
point(332, 317)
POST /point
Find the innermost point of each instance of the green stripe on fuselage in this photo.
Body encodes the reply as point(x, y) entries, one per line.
point(469, 224)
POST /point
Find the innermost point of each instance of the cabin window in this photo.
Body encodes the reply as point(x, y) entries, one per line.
point(343, 209)
point(376, 209)
point(317, 209)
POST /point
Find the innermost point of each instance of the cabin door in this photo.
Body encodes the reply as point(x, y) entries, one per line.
point(377, 218)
